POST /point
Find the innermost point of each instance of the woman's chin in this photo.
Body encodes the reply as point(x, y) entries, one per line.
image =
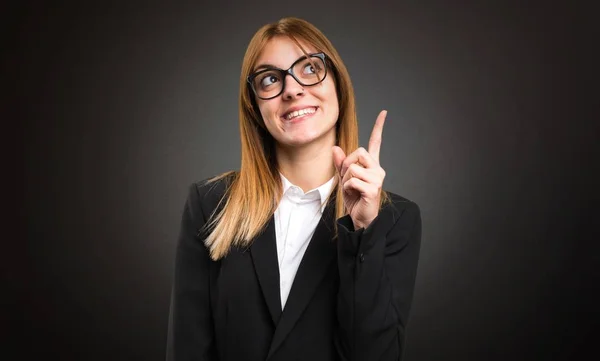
point(295, 143)
point(302, 140)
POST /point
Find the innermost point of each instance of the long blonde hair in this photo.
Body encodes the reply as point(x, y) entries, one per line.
point(253, 193)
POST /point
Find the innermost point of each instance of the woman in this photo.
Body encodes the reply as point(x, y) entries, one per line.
point(300, 255)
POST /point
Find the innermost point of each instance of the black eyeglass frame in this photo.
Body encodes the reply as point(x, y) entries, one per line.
point(284, 74)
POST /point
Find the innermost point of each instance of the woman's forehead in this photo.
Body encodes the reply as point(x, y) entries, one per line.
point(282, 51)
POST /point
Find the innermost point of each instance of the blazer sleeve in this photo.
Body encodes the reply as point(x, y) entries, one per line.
point(377, 268)
point(190, 329)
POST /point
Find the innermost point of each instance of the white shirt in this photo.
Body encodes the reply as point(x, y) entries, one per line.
point(296, 218)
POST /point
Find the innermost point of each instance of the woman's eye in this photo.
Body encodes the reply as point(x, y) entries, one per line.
point(309, 69)
point(268, 80)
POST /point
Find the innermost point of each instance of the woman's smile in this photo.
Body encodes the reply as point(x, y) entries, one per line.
point(297, 116)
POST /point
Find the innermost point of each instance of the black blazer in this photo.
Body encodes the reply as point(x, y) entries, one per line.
point(350, 299)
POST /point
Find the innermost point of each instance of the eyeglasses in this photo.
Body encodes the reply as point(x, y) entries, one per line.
point(269, 82)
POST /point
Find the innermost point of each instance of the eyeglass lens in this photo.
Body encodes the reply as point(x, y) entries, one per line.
point(307, 72)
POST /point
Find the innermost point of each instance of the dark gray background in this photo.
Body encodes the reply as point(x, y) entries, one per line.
point(122, 106)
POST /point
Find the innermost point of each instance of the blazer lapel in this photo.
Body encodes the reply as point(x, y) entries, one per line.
point(317, 259)
point(264, 257)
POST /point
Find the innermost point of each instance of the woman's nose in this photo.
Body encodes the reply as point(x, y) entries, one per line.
point(292, 88)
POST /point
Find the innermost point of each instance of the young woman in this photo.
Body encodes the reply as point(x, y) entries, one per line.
point(299, 255)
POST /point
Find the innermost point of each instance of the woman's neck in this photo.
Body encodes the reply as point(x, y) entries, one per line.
point(309, 166)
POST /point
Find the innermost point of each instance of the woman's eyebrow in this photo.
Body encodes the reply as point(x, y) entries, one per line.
point(264, 65)
point(267, 65)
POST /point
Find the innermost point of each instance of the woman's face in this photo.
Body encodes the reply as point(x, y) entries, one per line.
point(300, 114)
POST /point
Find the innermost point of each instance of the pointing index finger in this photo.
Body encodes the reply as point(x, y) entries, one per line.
point(376, 134)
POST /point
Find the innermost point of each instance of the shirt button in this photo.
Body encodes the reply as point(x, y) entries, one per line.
point(362, 257)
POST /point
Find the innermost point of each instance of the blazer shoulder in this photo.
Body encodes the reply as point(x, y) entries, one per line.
point(208, 193)
point(403, 206)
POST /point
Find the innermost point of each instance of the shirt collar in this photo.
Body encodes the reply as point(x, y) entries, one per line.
point(324, 189)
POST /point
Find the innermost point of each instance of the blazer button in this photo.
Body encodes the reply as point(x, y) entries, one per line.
point(362, 257)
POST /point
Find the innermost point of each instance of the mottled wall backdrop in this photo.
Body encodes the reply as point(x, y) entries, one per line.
point(122, 106)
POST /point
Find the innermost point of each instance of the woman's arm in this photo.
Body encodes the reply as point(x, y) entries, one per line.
point(377, 268)
point(190, 333)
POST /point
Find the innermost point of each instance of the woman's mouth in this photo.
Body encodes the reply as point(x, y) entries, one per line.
point(300, 114)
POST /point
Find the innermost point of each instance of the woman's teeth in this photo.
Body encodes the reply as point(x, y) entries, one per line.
point(300, 112)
